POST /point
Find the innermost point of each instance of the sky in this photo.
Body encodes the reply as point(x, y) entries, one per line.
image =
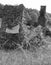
point(34, 4)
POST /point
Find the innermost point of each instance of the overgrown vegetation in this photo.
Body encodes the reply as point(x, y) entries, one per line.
point(12, 16)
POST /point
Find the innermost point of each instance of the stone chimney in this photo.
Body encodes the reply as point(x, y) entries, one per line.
point(41, 18)
point(42, 10)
